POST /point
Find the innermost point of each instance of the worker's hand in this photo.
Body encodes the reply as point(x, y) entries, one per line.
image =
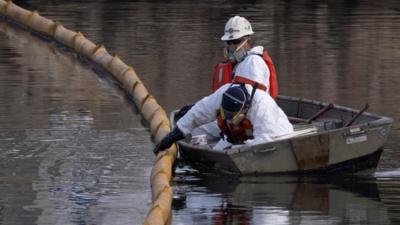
point(183, 111)
point(168, 140)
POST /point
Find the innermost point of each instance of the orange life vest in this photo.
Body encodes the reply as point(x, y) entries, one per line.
point(223, 73)
point(236, 134)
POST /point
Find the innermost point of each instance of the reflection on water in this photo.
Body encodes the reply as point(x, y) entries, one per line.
point(280, 200)
point(71, 143)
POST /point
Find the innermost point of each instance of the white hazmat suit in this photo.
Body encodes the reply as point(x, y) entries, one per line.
point(253, 67)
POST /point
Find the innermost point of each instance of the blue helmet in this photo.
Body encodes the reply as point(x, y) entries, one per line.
point(234, 101)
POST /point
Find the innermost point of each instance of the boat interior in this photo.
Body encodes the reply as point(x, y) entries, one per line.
point(323, 116)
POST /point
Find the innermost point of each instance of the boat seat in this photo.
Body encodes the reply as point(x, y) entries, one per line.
point(298, 132)
point(303, 126)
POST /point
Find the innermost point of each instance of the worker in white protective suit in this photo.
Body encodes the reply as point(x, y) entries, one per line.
point(244, 63)
point(243, 108)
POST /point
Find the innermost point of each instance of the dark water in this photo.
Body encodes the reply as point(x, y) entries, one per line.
point(73, 150)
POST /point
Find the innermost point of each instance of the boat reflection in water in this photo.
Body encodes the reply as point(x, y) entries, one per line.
point(277, 200)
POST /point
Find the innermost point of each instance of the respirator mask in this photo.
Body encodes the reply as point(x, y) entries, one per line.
point(232, 52)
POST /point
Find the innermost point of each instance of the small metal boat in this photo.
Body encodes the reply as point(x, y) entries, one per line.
point(327, 139)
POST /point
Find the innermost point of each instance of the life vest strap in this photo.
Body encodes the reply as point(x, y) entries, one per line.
point(243, 80)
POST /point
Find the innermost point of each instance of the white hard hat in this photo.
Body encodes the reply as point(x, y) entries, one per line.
point(237, 27)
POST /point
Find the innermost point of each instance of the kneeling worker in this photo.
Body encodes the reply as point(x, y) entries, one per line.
point(246, 116)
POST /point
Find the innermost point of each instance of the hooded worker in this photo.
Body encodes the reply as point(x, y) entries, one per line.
point(245, 115)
